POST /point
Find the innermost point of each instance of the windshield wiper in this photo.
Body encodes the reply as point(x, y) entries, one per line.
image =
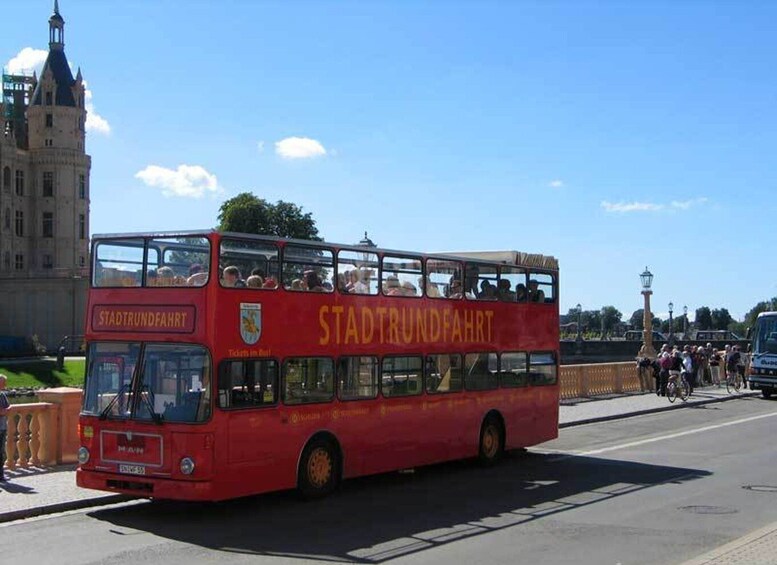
point(149, 400)
point(107, 409)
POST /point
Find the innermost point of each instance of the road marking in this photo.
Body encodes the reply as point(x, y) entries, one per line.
point(675, 435)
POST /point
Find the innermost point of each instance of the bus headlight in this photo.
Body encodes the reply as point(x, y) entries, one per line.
point(83, 455)
point(187, 465)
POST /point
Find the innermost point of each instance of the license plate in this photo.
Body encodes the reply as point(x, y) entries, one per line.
point(132, 469)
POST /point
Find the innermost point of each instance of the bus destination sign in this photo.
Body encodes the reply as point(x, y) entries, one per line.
point(143, 319)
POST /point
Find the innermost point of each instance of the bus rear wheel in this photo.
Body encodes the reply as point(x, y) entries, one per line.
point(492, 441)
point(319, 469)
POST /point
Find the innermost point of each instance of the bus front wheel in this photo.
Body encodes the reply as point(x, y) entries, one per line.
point(492, 441)
point(319, 469)
point(766, 393)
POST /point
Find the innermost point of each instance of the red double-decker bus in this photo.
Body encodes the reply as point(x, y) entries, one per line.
point(221, 364)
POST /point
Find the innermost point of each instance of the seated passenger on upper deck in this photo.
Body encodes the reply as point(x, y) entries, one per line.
point(503, 291)
point(535, 294)
point(232, 277)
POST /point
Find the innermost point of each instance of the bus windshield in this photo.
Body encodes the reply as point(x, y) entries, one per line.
point(765, 335)
point(154, 382)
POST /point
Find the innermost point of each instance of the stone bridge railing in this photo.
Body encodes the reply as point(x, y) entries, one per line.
point(46, 433)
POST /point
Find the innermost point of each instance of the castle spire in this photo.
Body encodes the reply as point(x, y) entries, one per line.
point(56, 29)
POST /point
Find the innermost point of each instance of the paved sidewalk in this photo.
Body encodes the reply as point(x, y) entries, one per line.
point(34, 492)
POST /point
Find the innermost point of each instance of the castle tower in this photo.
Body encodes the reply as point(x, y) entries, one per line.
point(59, 166)
point(44, 198)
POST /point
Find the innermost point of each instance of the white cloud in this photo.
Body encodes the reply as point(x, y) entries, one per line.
point(631, 206)
point(94, 121)
point(299, 148)
point(687, 203)
point(191, 181)
point(623, 207)
point(556, 184)
point(27, 60)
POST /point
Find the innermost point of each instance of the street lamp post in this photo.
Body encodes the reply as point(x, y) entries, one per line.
point(685, 322)
point(579, 316)
point(601, 315)
point(647, 348)
point(671, 328)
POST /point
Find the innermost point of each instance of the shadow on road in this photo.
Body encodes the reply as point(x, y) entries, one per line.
point(373, 519)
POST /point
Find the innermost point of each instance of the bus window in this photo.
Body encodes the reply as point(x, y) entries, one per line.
point(542, 368)
point(443, 279)
point(512, 284)
point(443, 373)
point(177, 259)
point(248, 384)
point(357, 272)
point(308, 269)
point(541, 288)
point(118, 263)
point(308, 380)
point(401, 376)
point(255, 261)
point(357, 377)
point(108, 378)
point(514, 370)
point(480, 371)
point(174, 383)
point(402, 276)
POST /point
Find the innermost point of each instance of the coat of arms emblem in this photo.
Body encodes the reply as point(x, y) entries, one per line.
point(250, 322)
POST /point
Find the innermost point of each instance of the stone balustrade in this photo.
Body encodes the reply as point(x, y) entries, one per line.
point(584, 381)
point(46, 433)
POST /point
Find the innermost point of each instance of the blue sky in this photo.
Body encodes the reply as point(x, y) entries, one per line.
point(612, 135)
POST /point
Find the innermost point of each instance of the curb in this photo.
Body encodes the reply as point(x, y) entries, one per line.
point(63, 507)
point(737, 550)
point(623, 415)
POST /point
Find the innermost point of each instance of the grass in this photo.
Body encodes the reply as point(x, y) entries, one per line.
point(43, 374)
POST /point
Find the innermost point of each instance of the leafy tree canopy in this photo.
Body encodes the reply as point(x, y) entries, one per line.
point(703, 318)
point(247, 213)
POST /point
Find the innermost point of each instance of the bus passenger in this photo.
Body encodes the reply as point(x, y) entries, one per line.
point(313, 282)
point(503, 291)
point(254, 281)
point(487, 291)
point(535, 294)
point(520, 292)
point(232, 277)
point(362, 285)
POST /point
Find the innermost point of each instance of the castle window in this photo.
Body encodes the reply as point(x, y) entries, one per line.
point(19, 262)
point(48, 224)
point(8, 218)
point(48, 183)
point(7, 179)
point(81, 186)
point(81, 226)
point(19, 223)
point(49, 120)
point(7, 260)
point(48, 263)
point(82, 261)
point(48, 98)
point(19, 183)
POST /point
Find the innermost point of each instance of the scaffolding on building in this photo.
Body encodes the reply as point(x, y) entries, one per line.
point(17, 93)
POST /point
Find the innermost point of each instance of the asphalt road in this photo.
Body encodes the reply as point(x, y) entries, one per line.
point(661, 488)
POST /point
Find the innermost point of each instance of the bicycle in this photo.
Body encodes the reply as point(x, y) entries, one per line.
point(733, 382)
point(678, 387)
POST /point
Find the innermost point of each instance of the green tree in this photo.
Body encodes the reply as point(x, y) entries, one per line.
point(764, 306)
point(612, 317)
point(703, 318)
point(247, 213)
point(637, 320)
point(720, 319)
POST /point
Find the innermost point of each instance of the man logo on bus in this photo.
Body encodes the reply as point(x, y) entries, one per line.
point(250, 322)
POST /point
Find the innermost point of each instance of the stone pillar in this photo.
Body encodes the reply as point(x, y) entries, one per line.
point(65, 428)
